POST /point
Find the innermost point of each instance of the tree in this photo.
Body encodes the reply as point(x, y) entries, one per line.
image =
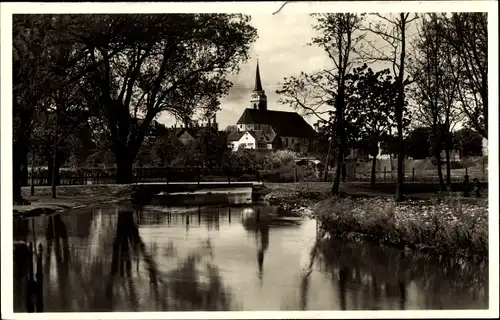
point(37, 66)
point(418, 143)
point(469, 142)
point(231, 128)
point(436, 89)
point(389, 145)
point(28, 89)
point(373, 97)
point(324, 93)
point(392, 29)
point(467, 35)
point(149, 64)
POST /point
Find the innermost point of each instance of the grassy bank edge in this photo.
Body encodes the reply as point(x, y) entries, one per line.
point(68, 198)
point(441, 239)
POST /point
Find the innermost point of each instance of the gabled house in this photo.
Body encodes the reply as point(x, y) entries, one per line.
point(252, 140)
point(268, 126)
point(191, 132)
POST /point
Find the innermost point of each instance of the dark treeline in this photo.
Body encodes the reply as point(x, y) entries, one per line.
point(432, 75)
point(88, 89)
point(85, 84)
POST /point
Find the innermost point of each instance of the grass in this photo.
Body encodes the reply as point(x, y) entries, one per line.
point(68, 197)
point(447, 227)
point(321, 190)
point(443, 223)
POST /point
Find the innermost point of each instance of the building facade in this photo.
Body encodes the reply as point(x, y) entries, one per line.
point(270, 129)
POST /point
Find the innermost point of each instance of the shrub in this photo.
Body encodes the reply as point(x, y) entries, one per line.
point(448, 227)
point(279, 159)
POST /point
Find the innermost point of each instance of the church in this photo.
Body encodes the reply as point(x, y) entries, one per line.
point(260, 128)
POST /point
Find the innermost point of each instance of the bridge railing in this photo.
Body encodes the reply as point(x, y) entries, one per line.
point(85, 176)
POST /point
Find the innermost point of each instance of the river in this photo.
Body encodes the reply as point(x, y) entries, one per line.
point(236, 256)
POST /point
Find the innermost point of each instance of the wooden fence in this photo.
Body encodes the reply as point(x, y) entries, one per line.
point(413, 175)
point(86, 176)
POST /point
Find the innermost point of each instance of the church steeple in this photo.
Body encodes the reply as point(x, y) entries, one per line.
point(259, 99)
point(258, 84)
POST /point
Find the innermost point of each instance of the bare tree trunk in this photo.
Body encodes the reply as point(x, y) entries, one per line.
point(448, 165)
point(32, 191)
point(447, 147)
point(340, 104)
point(54, 157)
point(16, 174)
point(437, 155)
point(400, 104)
point(373, 176)
point(338, 171)
point(327, 162)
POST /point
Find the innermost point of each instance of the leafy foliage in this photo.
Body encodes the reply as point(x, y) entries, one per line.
point(469, 142)
point(117, 73)
point(323, 93)
point(467, 36)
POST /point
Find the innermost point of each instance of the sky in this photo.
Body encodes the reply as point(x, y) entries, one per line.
point(282, 51)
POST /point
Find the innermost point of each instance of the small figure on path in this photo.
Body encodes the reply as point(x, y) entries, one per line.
point(466, 186)
point(477, 187)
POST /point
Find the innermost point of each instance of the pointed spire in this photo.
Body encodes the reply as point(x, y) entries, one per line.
point(258, 84)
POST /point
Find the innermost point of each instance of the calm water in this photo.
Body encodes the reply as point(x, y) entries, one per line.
point(231, 257)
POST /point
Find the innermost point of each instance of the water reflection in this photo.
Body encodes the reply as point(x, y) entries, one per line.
point(56, 236)
point(260, 226)
point(28, 277)
point(388, 275)
point(243, 257)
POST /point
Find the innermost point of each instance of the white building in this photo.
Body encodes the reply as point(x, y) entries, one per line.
point(271, 129)
point(250, 140)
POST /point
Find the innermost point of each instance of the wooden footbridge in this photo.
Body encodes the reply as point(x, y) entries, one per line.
point(143, 192)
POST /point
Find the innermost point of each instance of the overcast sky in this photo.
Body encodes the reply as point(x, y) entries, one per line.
point(282, 51)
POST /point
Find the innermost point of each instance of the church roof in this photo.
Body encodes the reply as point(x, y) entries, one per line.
point(285, 124)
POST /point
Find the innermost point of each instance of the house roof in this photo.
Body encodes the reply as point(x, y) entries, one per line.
point(258, 135)
point(235, 135)
point(193, 131)
point(286, 124)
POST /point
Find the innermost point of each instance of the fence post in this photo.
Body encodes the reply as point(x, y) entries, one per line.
point(484, 174)
point(295, 173)
point(32, 190)
point(199, 175)
point(166, 175)
point(384, 173)
point(229, 174)
point(258, 175)
point(413, 174)
point(466, 171)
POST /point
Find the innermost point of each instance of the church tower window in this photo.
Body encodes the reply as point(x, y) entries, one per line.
point(259, 98)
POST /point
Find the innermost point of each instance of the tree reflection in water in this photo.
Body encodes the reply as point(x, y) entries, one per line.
point(304, 283)
point(258, 223)
point(386, 273)
point(56, 236)
point(28, 283)
point(126, 241)
point(180, 289)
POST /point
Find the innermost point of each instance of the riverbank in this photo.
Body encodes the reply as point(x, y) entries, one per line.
point(303, 194)
point(444, 224)
point(69, 197)
point(427, 221)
